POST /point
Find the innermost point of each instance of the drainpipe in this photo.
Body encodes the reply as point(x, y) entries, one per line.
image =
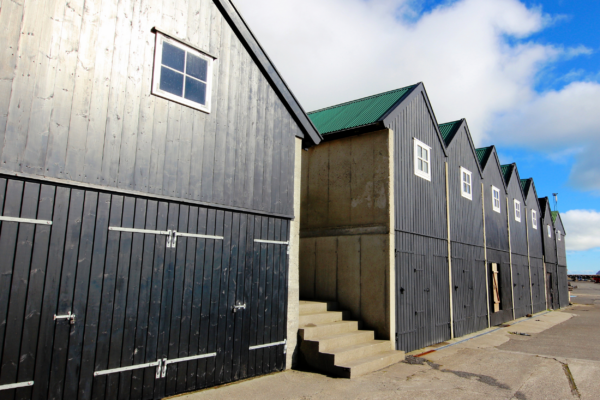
point(487, 282)
point(512, 291)
point(449, 254)
point(528, 258)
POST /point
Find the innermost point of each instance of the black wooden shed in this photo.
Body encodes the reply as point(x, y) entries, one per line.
point(147, 162)
point(550, 255)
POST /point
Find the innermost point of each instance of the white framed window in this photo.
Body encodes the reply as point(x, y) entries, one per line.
point(534, 219)
point(549, 231)
point(517, 211)
point(466, 188)
point(496, 199)
point(182, 73)
point(422, 160)
point(558, 235)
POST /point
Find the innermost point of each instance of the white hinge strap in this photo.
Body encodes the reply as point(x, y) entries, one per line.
point(193, 235)
point(274, 242)
point(16, 385)
point(260, 346)
point(183, 359)
point(26, 220)
point(132, 230)
point(129, 368)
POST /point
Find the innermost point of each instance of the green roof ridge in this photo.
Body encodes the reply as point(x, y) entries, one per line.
point(356, 113)
point(449, 129)
point(506, 170)
point(481, 153)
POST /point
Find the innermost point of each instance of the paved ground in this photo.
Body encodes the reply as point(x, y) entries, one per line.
point(559, 360)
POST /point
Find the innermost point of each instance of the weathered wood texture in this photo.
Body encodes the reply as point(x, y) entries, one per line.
point(518, 229)
point(547, 232)
point(536, 248)
point(496, 223)
point(135, 299)
point(75, 104)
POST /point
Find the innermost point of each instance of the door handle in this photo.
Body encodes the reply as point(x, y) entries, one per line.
point(239, 306)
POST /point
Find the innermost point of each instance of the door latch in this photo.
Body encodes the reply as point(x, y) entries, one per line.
point(70, 317)
point(239, 306)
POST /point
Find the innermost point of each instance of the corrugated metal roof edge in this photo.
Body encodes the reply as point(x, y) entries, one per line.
point(362, 99)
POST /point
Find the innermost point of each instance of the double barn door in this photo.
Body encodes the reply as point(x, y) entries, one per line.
point(105, 296)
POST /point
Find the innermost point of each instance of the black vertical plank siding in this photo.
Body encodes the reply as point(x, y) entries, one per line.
point(166, 302)
point(37, 276)
point(67, 286)
point(95, 291)
point(142, 317)
point(274, 317)
point(133, 294)
point(107, 299)
point(230, 298)
point(254, 296)
point(179, 276)
point(268, 296)
point(20, 279)
point(238, 318)
point(266, 228)
point(247, 318)
point(120, 298)
point(281, 326)
point(196, 316)
point(214, 299)
point(154, 317)
point(8, 244)
point(51, 290)
point(205, 310)
point(187, 302)
point(82, 286)
point(222, 311)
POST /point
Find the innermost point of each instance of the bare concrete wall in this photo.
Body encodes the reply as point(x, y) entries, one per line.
point(346, 245)
point(293, 274)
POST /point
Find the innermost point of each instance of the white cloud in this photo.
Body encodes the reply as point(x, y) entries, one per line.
point(582, 228)
point(474, 57)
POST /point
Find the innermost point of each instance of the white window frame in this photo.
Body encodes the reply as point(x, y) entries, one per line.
point(160, 39)
point(418, 172)
point(465, 172)
point(517, 210)
point(557, 235)
point(549, 231)
point(498, 207)
point(534, 219)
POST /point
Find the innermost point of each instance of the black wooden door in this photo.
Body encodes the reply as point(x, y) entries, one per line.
point(147, 290)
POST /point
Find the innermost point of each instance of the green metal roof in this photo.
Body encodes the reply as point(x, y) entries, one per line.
point(356, 113)
point(482, 154)
point(525, 186)
point(449, 129)
point(506, 170)
point(554, 215)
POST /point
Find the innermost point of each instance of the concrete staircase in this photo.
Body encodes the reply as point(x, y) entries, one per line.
point(336, 346)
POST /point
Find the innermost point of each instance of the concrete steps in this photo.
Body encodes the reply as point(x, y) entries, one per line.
point(336, 346)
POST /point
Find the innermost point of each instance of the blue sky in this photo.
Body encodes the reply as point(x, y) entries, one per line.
point(525, 74)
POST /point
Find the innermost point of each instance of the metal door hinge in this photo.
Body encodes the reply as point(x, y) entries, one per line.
point(70, 317)
point(238, 306)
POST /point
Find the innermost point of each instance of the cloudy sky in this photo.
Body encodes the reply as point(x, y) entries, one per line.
point(525, 75)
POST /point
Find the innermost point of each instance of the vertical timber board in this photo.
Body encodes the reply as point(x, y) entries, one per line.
point(8, 243)
point(241, 145)
point(238, 322)
point(251, 135)
point(205, 301)
point(25, 207)
point(230, 291)
point(80, 297)
point(253, 294)
point(269, 292)
point(222, 300)
point(132, 299)
point(103, 344)
point(50, 301)
point(178, 287)
point(154, 314)
point(217, 268)
point(259, 160)
point(247, 335)
point(35, 289)
point(95, 291)
point(195, 321)
point(120, 297)
point(68, 57)
point(187, 301)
